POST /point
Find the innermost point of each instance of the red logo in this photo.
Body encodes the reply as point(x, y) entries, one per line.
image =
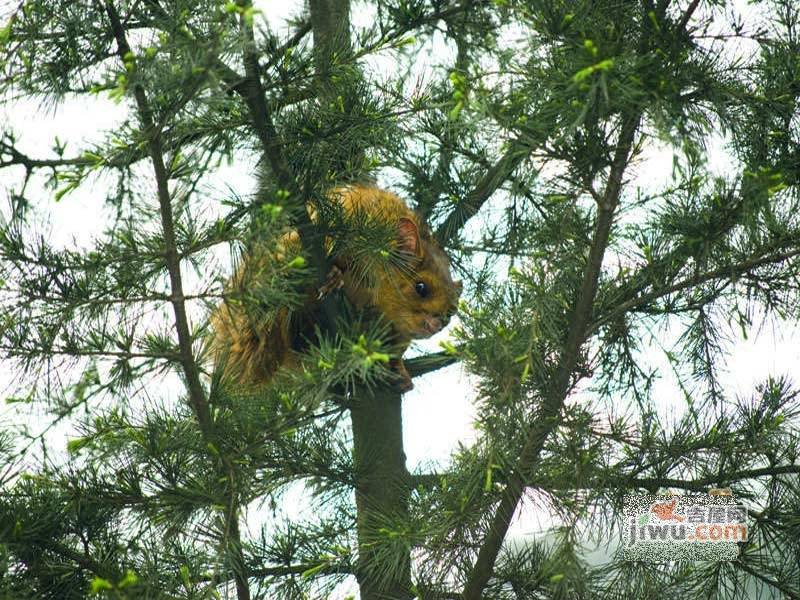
point(665, 511)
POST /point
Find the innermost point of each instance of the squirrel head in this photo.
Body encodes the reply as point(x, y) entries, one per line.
point(419, 299)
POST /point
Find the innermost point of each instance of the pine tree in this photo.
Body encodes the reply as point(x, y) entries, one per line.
point(521, 149)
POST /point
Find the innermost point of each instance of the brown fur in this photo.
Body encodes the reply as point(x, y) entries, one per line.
point(254, 345)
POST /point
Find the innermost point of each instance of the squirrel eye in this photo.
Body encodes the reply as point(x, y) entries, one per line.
point(421, 288)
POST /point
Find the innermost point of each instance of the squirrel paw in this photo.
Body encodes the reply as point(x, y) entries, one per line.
point(334, 281)
point(403, 383)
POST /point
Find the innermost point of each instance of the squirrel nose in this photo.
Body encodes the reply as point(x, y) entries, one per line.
point(433, 324)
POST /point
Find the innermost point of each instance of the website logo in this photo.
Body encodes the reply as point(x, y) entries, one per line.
point(693, 527)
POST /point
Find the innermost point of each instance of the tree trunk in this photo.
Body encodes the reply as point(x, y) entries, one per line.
point(330, 25)
point(382, 481)
point(382, 489)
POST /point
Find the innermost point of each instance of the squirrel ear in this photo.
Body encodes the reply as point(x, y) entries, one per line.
point(408, 236)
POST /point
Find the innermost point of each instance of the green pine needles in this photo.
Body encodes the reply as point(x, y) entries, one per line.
point(616, 182)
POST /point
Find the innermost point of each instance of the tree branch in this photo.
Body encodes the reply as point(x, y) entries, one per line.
point(18, 158)
point(730, 271)
point(688, 15)
point(421, 365)
point(552, 404)
point(283, 571)
point(495, 177)
point(152, 135)
point(702, 484)
point(197, 397)
point(302, 30)
point(786, 591)
point(87, 563)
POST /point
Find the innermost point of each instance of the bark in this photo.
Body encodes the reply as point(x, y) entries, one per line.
point(551, 406)
point(330, 26)
point(382, 490)
point(191, 371)
point(381, 479)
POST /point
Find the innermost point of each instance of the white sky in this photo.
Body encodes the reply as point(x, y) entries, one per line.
point(438, 413)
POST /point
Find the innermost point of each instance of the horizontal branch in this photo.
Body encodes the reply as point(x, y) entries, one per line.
point(702, 484)
point(421, 365)
point(83, 561)
point(125, 157)
point(87, 563)
point(495, 176)
point(729, 271)
point(782, 587)
point(328, 569)
point(15, 352)
point(18, 158)
point(318, 569)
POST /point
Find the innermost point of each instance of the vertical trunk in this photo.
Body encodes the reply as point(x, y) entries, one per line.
point(330, 25)
point(382, 486)
point(551, 407)
point(382, 489)
point(197, 397)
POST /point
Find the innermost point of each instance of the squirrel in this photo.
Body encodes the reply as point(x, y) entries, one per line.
point(416, 299)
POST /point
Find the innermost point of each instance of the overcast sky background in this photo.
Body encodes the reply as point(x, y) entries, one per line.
point(438, 413)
